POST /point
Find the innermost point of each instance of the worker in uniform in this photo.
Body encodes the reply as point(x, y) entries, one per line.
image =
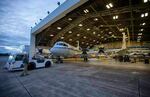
point(25, 63)
point(84, 53)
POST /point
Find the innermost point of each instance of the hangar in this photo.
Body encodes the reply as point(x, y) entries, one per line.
point(93, 22)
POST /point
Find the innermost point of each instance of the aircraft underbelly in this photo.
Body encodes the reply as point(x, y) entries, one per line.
point(65, 52)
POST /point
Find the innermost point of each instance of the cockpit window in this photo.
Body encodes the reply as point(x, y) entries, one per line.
point(62, 44)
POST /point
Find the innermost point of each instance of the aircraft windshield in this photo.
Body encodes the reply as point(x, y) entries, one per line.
point(62, 44)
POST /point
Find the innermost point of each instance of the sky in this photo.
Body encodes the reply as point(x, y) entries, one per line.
point(18, 16)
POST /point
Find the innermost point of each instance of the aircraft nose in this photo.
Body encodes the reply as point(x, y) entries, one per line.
point(52, 49)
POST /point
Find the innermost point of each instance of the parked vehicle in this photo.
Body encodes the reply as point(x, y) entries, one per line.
point(15, 62)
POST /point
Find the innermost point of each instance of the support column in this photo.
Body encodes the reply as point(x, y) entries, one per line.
point(124, 41)
point(32, 46)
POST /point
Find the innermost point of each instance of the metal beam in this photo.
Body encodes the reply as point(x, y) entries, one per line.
point(121, 10)
point(66, 29)
point(100, 14)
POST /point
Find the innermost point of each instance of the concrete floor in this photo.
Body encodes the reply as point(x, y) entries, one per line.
point(75, 80)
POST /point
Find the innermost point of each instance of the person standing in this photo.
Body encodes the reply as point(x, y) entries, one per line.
point(25, 63)
point(84, 54)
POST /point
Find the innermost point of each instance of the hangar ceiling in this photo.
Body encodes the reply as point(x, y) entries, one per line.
point(100, 21)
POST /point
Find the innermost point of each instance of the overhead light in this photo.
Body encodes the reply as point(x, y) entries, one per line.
point(94, 32)
point(86, 11)
point(102, 37)
point(110, 32)
point(59, 28)
point(110, 5)
point(62, 37)
point(87, 29)
point(51, 35)
point(70, 19)
point(80, 25)
point(139, 33)
point(142, 24)
point(101, 25)
point(70, 32)
point(78, 34)
point(98, 35)
point(70, 39)
point(144, 14)
point(84, 37)
point(145, 1)
point(115, 17)
point(95, 19)
point(122, 29)
point(107, 6)
point(141, 29)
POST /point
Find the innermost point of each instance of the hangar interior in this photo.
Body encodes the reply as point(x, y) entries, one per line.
point(95, 22)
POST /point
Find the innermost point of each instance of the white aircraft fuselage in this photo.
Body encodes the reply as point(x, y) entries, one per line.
point(64, 49)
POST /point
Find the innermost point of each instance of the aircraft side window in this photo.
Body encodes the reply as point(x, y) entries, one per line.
point(65, 45)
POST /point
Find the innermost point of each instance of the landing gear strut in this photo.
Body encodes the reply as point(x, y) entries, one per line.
point(59, 60)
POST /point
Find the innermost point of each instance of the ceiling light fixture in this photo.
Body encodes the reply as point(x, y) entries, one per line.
point(94, 33)
point(78, 34)
point(70, 32)
point(70, 19)
point(115, 17)
point(144, 14)
point(70, 39)
point(59, 28)
point(51, 35)
point(145, 1)
point(80, 25)
point(110, 32)
point(141, 29)
point(87, 29)
point(110, 5)
point(84, 37)
point(86, 11)
point(142, 24)
point(139, 33)
point(62, 37)
point(95, 19)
